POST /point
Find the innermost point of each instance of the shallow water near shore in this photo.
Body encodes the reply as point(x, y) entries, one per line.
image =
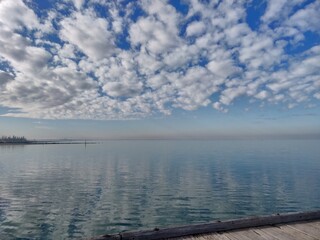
point(70, 191)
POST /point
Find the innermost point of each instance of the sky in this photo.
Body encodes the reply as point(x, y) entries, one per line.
point(159, 69)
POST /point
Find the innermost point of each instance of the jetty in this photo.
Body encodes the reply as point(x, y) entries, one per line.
point(288, 226)
point(23, 141)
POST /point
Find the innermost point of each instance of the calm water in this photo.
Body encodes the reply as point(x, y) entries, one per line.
point(69, 191)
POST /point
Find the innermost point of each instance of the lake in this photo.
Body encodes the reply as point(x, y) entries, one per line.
point(71, 191)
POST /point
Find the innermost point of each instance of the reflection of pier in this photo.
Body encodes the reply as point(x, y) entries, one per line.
point(305, 225)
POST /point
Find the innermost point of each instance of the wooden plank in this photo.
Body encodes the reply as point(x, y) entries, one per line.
point(199, 237)
point(252, 234)
point(232, 236)
point(316, 223)
point(258, 234)
point(279, 233)
point(212, 236)
point(216, 236)
point(298, 234)
point(214, 226)
point(241, 235)
point(265, 235)
point(310, 230)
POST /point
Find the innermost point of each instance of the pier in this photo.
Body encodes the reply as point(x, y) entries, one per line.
point(302, 226)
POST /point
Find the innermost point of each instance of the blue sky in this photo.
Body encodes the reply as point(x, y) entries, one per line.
point(159, 69)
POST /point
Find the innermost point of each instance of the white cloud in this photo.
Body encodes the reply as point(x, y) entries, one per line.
point(20, 53)
point(235, 33)
point(153, 35)
point(194, 88)
point(78, 3)
point(223, 68)
point(273, 9)
point(307, 18)
point(195, 29)
point(15, 15)
point(71, 66)
point(262, 95)
point(5, 77)
point(230, 94)
point(90, 34)
point(157, 81)
point(117, 89)
point(158, 32)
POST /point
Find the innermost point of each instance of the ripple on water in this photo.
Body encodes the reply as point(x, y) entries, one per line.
point(52, 192)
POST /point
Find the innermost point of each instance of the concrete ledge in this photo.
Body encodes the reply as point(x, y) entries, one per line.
point(211, 227)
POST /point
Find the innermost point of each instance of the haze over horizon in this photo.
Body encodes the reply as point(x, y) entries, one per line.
point(159, 69)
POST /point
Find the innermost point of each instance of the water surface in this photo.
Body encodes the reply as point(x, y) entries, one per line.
point(70, 191)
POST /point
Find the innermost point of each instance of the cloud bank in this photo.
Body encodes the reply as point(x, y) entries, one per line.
point(99, 59)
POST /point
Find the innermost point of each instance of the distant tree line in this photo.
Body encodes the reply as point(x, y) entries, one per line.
point(13, 139)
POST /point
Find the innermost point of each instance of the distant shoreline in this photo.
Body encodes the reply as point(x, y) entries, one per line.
point(46, 142)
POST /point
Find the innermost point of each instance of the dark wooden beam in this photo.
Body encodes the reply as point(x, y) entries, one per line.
point(217, 226)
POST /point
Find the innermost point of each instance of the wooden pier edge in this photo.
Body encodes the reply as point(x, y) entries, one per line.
point(211, 227)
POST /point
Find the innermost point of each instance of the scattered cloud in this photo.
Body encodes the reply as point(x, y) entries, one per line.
point(120, 60)
point(195, 29)
point(88, 33)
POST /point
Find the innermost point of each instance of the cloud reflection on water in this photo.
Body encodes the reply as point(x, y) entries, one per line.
point(72, 191)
